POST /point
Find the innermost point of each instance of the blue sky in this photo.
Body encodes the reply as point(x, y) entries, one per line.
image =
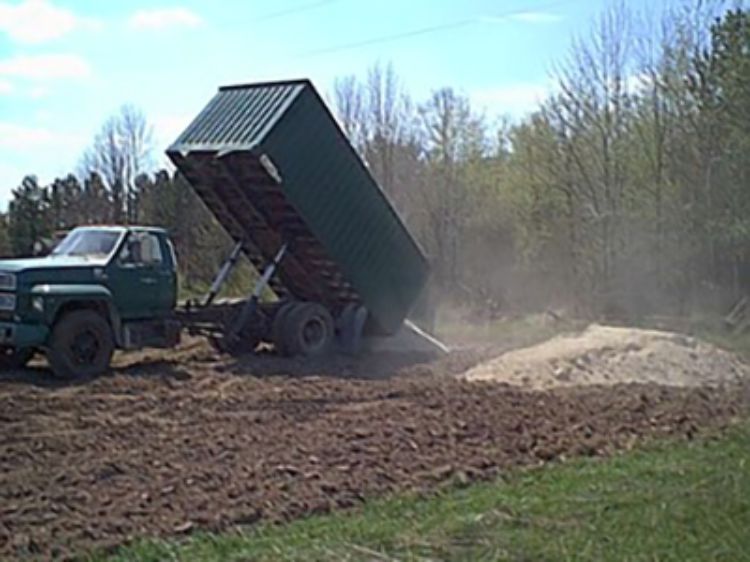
point(66, 65)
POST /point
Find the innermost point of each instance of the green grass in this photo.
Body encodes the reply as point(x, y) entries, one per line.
point(665, 502)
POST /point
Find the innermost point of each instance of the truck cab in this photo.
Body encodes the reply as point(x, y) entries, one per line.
point(101, 288)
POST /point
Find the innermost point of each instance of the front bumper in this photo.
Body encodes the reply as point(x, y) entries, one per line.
point(13, 334)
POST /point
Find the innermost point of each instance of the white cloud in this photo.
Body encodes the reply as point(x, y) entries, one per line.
point(25, 149)
point(161, 18)
point(36, 21)
point(168, 127)
point(525, 17)
point(638, 82)
point(45, 67)
point(537, 17)
point(513, 99)
point(42, 116)
point(5, 87)
point(38, 92)
point(21, 137)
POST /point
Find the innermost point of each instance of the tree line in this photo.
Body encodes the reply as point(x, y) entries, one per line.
point(626, 192)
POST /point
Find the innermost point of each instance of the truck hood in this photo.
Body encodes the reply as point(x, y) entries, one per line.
point(49, 262)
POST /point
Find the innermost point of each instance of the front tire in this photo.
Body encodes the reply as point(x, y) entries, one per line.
point(81, 345)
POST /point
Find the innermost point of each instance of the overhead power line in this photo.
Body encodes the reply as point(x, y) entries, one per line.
point(389, 38)
point(493, 18)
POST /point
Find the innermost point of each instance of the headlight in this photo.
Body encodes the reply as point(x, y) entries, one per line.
point(37, 303)
point(7, 282)
point(7, 302)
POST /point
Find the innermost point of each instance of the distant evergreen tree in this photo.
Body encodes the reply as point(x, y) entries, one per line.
point(29, 216)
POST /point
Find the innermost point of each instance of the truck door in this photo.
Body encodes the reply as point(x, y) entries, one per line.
point(140, 277)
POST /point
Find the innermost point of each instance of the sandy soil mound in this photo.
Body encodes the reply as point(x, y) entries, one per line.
point(608, 355)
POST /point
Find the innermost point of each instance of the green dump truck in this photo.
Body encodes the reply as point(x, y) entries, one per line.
point(280, 176)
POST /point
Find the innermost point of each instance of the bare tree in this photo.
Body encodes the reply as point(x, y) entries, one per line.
point(591, 118)
point(387, 117)
point(349, 105)
point(120, 152)
point(453, 138)
point(380, 121)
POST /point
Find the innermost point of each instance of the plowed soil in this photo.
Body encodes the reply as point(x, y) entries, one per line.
point(182, 442)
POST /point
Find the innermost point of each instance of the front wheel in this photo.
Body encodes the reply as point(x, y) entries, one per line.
point(81, 345)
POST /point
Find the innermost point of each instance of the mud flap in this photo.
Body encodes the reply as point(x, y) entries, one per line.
point(349, 327)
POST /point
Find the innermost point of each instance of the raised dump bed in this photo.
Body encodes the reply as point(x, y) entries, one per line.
point(270, 161)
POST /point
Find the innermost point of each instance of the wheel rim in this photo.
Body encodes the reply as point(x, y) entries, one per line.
point(314, 333)
point(84, 348)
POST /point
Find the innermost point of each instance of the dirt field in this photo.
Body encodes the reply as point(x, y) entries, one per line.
point(176, 442)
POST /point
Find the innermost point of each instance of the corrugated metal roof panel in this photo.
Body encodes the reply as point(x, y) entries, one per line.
point(239, 117)
point(347, 242)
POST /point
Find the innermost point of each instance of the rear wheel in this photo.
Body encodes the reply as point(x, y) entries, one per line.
point(244, 338)
point(350, 325)
point(81, 345)
point(278, 327)
point(308, 330)
point(14, 358)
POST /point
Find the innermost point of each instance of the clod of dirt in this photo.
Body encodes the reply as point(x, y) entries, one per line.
point(609, 355)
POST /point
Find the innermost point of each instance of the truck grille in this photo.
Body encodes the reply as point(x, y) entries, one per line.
point(7, 282)
point(7, 302)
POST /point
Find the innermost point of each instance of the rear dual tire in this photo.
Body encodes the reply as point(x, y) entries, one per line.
point(303, 329)
point(279, 326)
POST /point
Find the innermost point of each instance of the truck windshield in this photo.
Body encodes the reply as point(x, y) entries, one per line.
point(87, 243)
